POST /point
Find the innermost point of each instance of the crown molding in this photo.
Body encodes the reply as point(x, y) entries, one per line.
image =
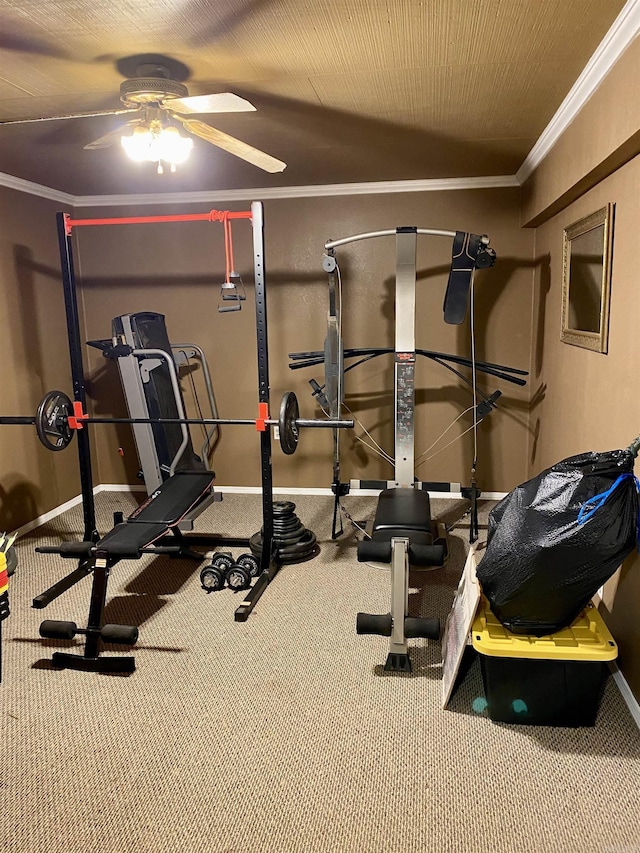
point(622, 32)
point(314, 191)
point(262, 193)
point(40, 190)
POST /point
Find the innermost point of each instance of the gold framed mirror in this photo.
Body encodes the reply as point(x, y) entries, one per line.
point(586, 280)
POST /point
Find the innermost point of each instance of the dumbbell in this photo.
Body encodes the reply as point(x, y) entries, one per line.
point(237, 574)
point(57, 629)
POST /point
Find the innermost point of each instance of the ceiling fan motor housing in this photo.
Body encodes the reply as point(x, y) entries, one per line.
point(150, 90)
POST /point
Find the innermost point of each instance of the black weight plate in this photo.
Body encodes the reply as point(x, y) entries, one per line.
point(51, 420)
point(255, 543)
point(283, 507)
point(285, 520)
point(289, 414)
point(211, 579)
point(300, 553)
point(307, 543)
point(285, 538)
point(12, 560)
point(222, 562)
point(238, 577)
point(287, 530)
point(248, 561)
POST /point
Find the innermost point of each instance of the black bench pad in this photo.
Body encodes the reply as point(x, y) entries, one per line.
point(162, 510)
point(126, 540)
point(403, 513)
point(174, 499)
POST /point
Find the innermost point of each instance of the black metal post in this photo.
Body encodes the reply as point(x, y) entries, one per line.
point(77, 375)
point(268, 566)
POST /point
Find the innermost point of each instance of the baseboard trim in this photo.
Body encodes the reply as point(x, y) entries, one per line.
point(230, 490)
point(626, 693)
point(53, 513)
point(296, 490)
point(117, 487)
point(302, 490)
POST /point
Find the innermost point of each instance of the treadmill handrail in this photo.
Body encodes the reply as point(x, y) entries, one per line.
point(208, 446)
point(175, 384)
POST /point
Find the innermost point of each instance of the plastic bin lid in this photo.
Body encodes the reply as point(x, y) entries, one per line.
point(587, 639)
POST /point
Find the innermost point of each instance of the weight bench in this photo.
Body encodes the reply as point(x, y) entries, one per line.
point(404, 535)
point(153, 528)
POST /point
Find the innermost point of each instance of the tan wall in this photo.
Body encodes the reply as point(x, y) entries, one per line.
point(177, 270)
point(587, 400)
point(33, 480)
point(603, 136)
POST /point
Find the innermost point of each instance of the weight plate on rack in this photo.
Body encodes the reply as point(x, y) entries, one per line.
point(289, 414)
point(283, 507)
point(52, 422)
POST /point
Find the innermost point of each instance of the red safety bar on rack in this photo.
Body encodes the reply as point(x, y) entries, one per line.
point(75, 420)
point(263, 417)
point(210, 216)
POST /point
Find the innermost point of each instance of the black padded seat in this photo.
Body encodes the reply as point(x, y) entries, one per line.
point(403, 513)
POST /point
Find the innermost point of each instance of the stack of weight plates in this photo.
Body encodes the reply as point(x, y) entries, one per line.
point(293, 543)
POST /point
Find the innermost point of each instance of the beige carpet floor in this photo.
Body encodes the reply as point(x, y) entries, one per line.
point(283, 733)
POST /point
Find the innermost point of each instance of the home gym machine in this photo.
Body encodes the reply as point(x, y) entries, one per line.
point(403, 533)
point(154, 528)
point(148, 366)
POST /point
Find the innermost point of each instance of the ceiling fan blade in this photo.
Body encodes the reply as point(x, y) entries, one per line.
point(223, 102)
point(72, 115)
point(233, 146)
point(111, 137)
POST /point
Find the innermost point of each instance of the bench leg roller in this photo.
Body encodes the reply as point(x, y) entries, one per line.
point(427, 628)
point(55, 629)
point(374, 623)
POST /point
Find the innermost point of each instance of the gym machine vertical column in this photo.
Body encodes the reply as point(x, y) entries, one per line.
point(77, 373)
point(405, 356)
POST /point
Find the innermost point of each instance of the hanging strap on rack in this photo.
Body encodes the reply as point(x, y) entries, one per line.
point(470, 252)
point(232, 289)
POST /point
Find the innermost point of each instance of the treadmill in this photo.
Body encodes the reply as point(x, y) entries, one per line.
point(149, 366)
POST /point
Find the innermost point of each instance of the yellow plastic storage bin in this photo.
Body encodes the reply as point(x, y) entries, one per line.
point(546, 681)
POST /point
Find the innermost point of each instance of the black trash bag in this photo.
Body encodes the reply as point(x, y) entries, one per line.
point(554, 540)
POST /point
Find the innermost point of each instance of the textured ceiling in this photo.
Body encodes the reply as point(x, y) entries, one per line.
point(345, 90)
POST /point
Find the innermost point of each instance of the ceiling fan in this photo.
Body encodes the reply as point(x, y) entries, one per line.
point(159, 102)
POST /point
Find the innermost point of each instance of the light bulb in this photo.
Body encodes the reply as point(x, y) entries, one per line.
point(155, 143)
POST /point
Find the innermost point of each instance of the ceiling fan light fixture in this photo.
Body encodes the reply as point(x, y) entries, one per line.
point(157, 144)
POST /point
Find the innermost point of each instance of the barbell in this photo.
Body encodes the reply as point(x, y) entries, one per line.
point(57, 419)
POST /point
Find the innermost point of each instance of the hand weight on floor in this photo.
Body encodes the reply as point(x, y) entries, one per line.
point(223, 569)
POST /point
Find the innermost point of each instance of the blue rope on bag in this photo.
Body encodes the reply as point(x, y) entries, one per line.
point(590, 507)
